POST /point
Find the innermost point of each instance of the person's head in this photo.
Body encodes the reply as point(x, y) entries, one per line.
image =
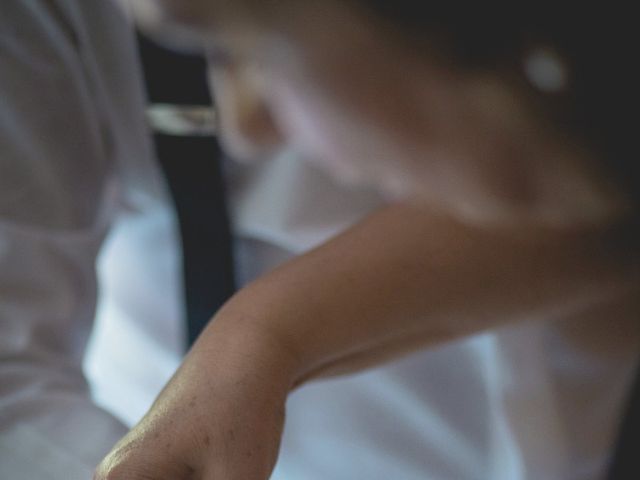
point(490, 113)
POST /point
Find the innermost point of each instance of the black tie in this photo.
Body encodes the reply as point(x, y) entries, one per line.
point(191, 163)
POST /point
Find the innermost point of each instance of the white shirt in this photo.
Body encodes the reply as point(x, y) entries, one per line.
point(77, 179)
point(70, 117)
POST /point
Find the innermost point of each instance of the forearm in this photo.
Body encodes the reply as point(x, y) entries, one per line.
point(406, 279)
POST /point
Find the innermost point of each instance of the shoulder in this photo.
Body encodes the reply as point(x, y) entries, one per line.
point(56, 116)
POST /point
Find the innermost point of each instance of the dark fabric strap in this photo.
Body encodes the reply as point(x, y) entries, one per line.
point(192, 168)
point(625, 464)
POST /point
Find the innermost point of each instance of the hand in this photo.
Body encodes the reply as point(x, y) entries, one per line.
point(219, 418)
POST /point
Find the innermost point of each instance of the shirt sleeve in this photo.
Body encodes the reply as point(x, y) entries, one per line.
point(56, 202)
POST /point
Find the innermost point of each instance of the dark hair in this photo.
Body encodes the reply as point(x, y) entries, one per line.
point(598, 44)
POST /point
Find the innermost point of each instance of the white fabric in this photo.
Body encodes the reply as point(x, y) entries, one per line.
point(70, 119)
point(526, 402)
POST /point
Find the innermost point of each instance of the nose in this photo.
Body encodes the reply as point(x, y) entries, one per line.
point(246, 128)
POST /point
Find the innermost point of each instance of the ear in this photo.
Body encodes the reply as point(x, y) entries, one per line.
point(247, 129)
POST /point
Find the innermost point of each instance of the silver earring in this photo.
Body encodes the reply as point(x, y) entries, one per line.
point(546, 70)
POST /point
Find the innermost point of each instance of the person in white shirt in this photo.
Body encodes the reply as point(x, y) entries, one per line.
point(519, 227)
point(389, 423)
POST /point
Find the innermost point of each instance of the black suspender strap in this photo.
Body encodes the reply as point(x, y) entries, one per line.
point(191, 163)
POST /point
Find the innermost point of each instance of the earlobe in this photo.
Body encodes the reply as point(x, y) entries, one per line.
point(247, 129)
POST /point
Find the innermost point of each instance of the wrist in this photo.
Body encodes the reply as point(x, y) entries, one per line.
point(243, 348)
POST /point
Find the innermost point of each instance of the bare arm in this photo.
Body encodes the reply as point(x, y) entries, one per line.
point(408, 278)
point(405, 278)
